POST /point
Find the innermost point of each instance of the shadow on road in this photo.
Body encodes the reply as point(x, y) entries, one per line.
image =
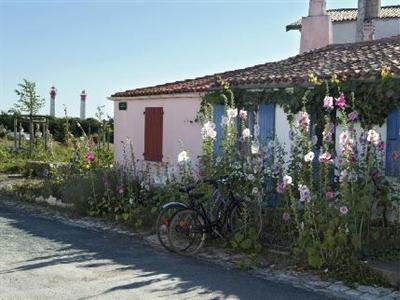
point(92, 249)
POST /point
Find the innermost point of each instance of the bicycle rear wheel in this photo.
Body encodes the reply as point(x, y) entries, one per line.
point(186, 232)
point(163, 222)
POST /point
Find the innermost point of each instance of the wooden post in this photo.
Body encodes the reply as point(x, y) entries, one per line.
point(31, 137)
point(15, 133)
point(20, 135)
point(45, 133)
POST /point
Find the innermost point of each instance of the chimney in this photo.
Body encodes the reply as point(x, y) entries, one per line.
point(53, 93)
point(83, 105)
point(316, 29)
point(368, 10)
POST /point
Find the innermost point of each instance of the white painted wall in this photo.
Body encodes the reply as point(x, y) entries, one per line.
point(282, 128)
point(178, 125)
point(345, 32)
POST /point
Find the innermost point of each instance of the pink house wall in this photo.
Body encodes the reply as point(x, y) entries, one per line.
point(178, 125)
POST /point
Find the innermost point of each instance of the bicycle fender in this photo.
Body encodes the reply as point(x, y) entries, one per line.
point(174, 205)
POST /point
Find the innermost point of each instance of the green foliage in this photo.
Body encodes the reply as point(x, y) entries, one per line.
point(29, 101)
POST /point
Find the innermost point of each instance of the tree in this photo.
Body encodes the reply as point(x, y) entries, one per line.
point(29, 101)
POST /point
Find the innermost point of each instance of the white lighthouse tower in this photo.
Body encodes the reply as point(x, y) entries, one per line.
point(53, 93)
point(83, 105)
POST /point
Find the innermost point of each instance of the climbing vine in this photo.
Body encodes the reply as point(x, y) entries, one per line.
point(373, 100)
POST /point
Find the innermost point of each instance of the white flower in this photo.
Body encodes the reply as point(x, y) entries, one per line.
point(373, 137)
point(309, 156)
point(345, 141)
point(130, 201)
point(183, 157)
point(208, 131)
point(305, 193)
point(232, 113)
point(251, 177)
point(224, 121)
point(254, 191)
point(246, 133)
point(287, 180)
point(255, 147)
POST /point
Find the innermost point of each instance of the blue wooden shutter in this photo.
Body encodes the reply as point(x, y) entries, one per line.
point(266, 121)
point(393, 143)
point(218, 111)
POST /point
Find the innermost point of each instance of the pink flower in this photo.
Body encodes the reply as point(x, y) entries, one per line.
point(381, 145)
point(286, 216)
point(346, 142)
point(304, 121)
point(89, 156)
point(330, 195)
point(325, 157)
point(343, 210)
point(328, 102)
point(281, 188)
point(395, 155)
point(341, 101)
point(352, 116)
point(120, 189)
point(243, 114)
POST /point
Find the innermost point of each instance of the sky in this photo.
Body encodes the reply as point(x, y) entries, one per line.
point(108, 46)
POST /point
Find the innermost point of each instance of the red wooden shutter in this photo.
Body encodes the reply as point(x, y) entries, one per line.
point(153, 133)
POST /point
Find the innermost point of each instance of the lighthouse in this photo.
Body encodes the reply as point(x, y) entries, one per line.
point(83, 105)
point(53, 93)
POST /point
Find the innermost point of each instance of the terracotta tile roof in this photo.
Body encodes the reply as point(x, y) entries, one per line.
point(350, 14)
point(362, 60)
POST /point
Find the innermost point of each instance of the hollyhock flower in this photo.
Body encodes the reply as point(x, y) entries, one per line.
point(119, 189)
point(255, 191)
point(305, 193)
point(183, 157)
point(395, 155)
point(281, 188)
point(304, 121)
point(343, 210)
point(328, 102)
point(286, 216)
point(330, 195)
point(373, 137)
point(325, 157)
point(232, 113)
point(381, 145)
point(255, 148)
point(345, 141)
point(309, 156)
point(208, 131)
point(224, 121)
point(243, 114)
point(287, 180)
point(341, 101)
point(89, 156)
point(251, 177)
point(352, 116)
point(246, 133)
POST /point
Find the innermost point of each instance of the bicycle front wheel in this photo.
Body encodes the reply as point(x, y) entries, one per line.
point(186, 232)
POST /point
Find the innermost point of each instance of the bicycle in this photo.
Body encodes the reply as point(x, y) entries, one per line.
point(190, 225)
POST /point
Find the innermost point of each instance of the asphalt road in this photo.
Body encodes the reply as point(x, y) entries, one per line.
point(46, 259)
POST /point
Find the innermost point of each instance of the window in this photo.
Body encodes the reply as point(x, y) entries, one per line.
point(153, 133)
point(393, 143)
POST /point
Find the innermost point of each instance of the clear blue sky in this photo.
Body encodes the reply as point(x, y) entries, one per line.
point(110, 46)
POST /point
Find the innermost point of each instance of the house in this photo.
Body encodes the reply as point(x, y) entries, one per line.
point(385, 23)
point(156, 118)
